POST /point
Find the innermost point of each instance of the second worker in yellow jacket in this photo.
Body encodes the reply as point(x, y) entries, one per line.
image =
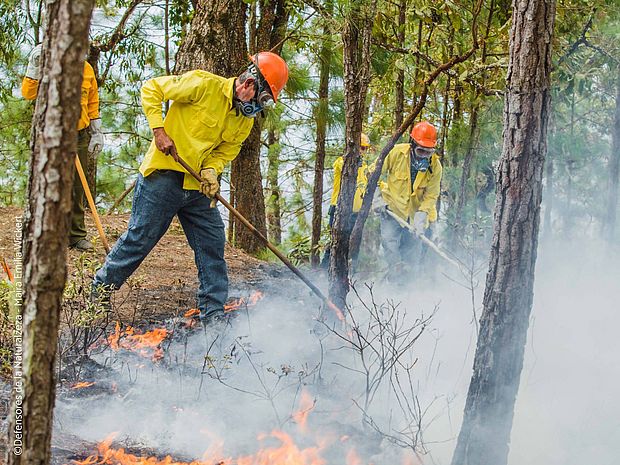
point(90, 138)
point(362, 181)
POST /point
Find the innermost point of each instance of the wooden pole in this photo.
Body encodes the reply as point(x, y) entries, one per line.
point(91, 203)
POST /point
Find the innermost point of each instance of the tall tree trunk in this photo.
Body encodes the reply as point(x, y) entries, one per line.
point(46, 226)
point(216, 42)
point(614, 169)
point(274, 220)
point(489, 409)
point(399, 109)
point(246, 174)
point(320, 117)
point(356, 38)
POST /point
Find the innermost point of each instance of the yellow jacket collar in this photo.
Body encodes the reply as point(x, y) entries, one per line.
point(228, 89)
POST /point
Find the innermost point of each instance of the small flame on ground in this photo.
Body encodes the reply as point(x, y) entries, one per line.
point(82, 384)
point(249, 302)
point(146, 344)
point(306, 404)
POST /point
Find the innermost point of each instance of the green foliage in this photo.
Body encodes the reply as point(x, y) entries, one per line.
point(6, 330)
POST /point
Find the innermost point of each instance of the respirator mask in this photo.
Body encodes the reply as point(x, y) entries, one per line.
point(421, 157)
point(262, 96)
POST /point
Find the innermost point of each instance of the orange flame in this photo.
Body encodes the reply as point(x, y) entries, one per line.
point(353, 458)
point(238, 303)
point(146, 344)
point(82, 384)
point(306, 404)
point(191, 312)
point(287, 453)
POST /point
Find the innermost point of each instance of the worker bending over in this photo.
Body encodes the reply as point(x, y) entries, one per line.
point(89, 143)
point(208, 120)
point(410, 190)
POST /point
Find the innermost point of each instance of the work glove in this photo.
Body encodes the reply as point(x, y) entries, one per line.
point(209, 185)
point(33, 71)
point(419, 222)
point(96, 138)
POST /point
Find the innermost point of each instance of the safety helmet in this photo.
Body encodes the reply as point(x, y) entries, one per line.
point(424, 134)
point(365, 140)
point(274, 69)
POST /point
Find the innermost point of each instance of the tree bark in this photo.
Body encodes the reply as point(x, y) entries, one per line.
point(46, 225)
point(614, 169)
point(489, 409)
point(399, 108)
point(320, 117)
point(246, 174)
point(356, 37)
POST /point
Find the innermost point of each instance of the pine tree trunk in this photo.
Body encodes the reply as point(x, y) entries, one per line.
point(320, 116)
point(216, 42)
point(46, 224)
point(399, 108)
point(489, 409)
point(614, 170)
point(356, 37)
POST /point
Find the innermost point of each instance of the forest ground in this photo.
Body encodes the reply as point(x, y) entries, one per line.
point(168, 276)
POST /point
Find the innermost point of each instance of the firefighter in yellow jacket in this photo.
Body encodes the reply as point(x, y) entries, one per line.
point(90, 138)
point(209, 118)
point(362, 180)
point(410, 190)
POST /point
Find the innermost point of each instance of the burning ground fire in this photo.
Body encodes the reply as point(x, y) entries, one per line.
point(147, 344)
point(284, 451)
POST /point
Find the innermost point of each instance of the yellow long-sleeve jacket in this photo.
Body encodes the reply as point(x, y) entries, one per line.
point(89, 100)
point(201, 121)
point(362, 180)
point(400, 195)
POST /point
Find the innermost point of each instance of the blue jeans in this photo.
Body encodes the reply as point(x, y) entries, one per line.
point(157, 198)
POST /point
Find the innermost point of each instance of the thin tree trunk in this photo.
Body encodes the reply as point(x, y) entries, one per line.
point(46, 227)
point(489, 409)
point(321, 110)
point(614, 170)
point(399, 109)
point(474, 133)
point(274, 220)
point(549, 194)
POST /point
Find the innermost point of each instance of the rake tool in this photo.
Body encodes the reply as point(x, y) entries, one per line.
point(431, 245)
point(269, 245)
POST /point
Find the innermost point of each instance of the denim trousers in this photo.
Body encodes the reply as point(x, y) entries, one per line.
point(402, 250)
point(157, 198)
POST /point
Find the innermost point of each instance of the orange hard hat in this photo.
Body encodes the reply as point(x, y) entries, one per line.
point(365, 140)
point(424, 134)
point(274, 69)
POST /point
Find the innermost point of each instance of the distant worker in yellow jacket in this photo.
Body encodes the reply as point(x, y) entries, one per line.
point(209, 118)
point(90, 138)
point(362, 180)
point(410, 190)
